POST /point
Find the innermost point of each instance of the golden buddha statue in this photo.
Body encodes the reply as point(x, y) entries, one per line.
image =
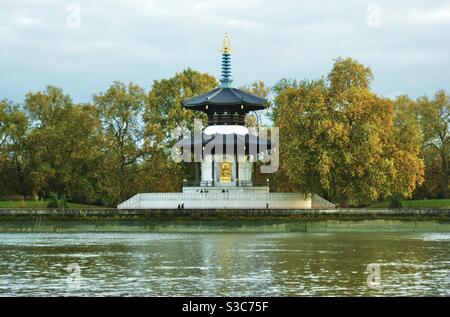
point(225, 172)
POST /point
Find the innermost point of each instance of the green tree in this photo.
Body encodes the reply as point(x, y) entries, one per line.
point(13, 131)
point(120, 110)
point(163, 113)
point(257, 88)
point(63, 147)
point(434, 118)
point(157, 173)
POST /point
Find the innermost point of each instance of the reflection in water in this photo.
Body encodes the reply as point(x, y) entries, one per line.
point(256, 264)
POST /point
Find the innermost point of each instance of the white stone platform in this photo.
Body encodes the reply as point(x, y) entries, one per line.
point(227, 200)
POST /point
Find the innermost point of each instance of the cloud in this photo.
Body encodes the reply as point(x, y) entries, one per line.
point(141, 41)
point(419, 15)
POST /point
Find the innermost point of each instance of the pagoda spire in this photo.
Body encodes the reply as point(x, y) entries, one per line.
point(226, 79)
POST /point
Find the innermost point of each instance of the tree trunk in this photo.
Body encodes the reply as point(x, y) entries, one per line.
point(343, 203)
point(444, 181)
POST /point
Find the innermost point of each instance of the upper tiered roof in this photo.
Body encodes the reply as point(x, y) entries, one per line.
point(221, 96)
point(224, 104)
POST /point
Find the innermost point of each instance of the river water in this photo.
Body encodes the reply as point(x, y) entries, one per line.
point(224, 264)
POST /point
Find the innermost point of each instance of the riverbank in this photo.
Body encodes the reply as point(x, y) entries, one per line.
point(222, 214)
point(42, 225)
point(414, 204)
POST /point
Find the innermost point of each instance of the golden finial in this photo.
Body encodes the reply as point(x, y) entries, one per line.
point(226, 45)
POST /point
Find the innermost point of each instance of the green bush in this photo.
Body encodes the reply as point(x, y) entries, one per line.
point(396, 201)
point(54, 202)
point(63, 202)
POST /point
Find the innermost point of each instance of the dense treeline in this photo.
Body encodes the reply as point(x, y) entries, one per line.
point(97, 153)
point(338, 139)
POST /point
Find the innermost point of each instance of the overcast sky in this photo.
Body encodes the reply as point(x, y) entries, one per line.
point(406, 43)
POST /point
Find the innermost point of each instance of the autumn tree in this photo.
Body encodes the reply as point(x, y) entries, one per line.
point(298, 113)
point(405, 148)
point(347, 73)
point(339, 139)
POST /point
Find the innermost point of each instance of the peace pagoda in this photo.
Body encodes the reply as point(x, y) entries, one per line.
point(225, 155)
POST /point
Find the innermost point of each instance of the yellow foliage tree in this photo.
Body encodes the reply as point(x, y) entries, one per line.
point(341, 140)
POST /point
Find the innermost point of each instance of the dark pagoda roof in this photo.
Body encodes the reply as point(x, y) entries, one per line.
point(225, 105)
point(225, 96)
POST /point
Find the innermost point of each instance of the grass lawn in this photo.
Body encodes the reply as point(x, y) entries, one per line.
point(426, 203)
point(37, 204)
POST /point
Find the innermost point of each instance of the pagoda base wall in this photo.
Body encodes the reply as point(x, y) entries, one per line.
point(227, 200)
